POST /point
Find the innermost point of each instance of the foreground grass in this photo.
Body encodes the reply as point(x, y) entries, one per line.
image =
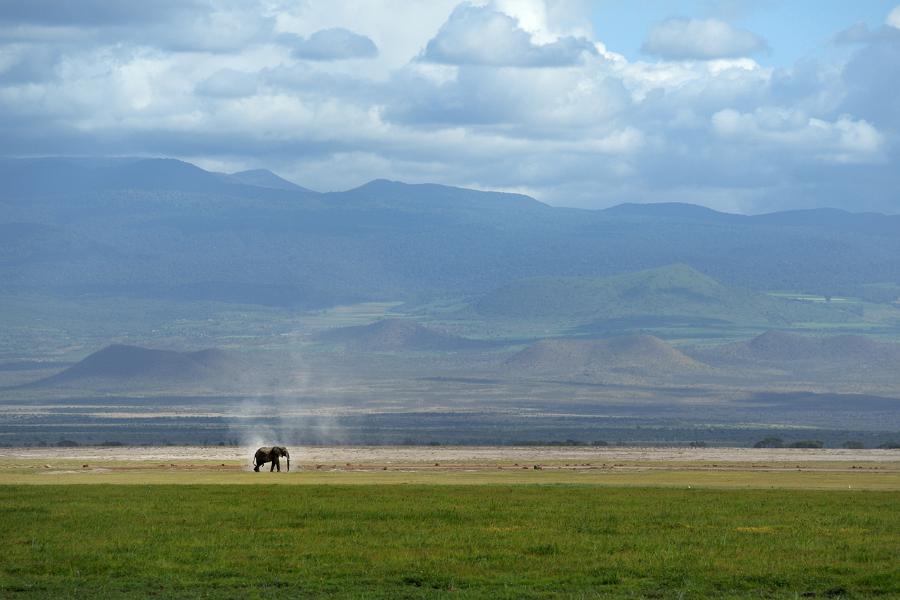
point(399, 541)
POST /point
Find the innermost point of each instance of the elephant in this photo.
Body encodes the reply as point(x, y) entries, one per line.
point(266, 454)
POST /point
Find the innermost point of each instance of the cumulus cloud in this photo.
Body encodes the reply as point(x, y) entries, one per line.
point(844, 140)
point(701, 39)
point(480, 35)
point(336, 43)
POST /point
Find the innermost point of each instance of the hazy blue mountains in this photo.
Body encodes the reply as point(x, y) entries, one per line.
point(165, 228)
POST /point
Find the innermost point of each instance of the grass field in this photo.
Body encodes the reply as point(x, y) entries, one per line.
point(412, 541)
point(450, 522)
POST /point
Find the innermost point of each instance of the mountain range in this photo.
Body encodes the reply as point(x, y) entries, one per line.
point(166, 228)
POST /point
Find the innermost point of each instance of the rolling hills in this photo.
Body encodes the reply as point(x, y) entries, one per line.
point(674, 292)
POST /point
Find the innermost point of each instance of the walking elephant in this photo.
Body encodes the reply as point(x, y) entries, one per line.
point(266, 454)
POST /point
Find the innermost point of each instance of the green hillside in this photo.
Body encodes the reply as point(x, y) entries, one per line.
point(676, 291)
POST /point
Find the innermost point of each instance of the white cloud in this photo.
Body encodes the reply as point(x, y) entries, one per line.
point(893, 18)
point(480, 35)
point(844, 140)
point(701, 39)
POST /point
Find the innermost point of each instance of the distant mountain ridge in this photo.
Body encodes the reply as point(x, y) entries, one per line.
point(56, 176)
point(86, 225)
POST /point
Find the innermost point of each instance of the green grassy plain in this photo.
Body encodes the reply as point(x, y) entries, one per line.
point(465, 541)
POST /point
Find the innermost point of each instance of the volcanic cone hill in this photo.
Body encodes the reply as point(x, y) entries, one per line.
point(637, 354)
point(122, 363)
point(783, 347)
point(676, 292)
point(398, 335)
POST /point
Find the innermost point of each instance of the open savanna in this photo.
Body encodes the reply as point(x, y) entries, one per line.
point(461, 526)
point(410, 541)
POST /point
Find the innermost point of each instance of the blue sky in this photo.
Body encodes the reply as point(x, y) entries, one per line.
point(737, 105)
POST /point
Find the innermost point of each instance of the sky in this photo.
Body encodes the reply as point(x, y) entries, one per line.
point(738, 105)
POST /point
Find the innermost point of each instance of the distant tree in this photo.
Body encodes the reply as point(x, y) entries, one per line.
point(853, 445)
point(769, 442)
point(109, 444)
point(599, 443)
point(889, 446)
point(807, 444)
point(67, 444)
point(697, 444)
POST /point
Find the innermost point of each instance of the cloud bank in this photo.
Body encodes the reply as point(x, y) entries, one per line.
point(517, 96)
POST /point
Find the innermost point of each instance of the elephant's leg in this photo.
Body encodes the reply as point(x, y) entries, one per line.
point(256, 468)
point(276, 464)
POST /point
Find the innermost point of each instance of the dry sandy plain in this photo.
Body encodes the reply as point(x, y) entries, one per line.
point(700, 467)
